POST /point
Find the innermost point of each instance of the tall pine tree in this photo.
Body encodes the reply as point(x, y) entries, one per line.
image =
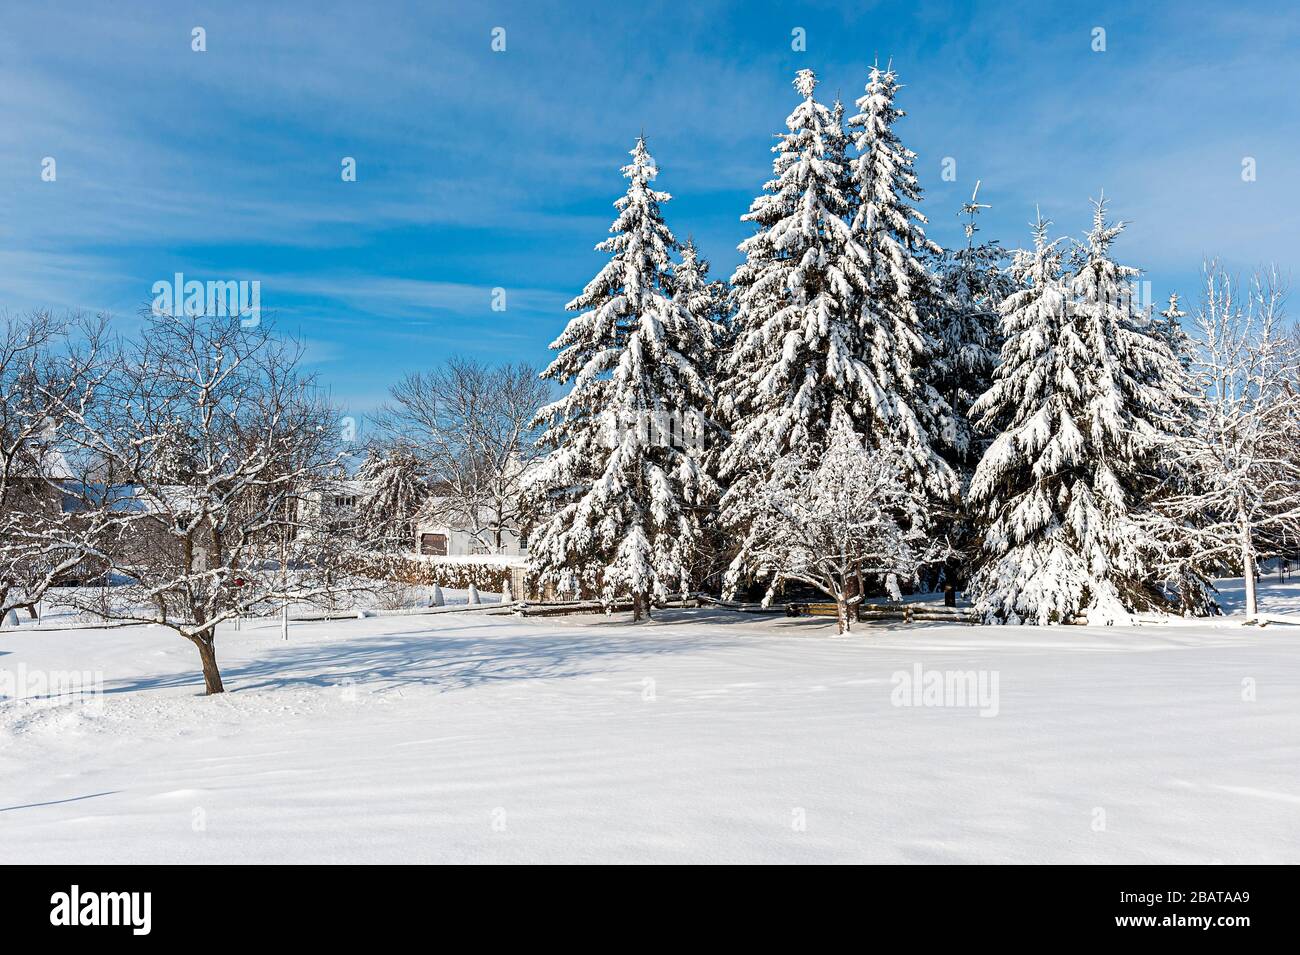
point(898, 298)
point(619, 493)
point(973, 281)
point(796, 349)
point(1076, 406)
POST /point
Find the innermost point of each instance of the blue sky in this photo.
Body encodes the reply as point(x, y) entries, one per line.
point(478, 169)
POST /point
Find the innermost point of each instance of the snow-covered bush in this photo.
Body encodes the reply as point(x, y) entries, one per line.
point(456, 573)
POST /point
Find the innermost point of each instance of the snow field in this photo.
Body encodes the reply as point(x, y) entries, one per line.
point(702, 737)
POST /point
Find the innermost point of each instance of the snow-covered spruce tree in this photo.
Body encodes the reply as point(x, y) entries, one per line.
point(898, 302)
point(1167, 327)
point(1075, 406)
point(966, 331)
point(618, 492)
point(705, 301)
point(838, 143)
point(973, 281)
point(702, 299)
point(829, 519)
point(796, 349)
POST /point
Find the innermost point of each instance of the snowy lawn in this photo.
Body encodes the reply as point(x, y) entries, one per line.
point(704, 737)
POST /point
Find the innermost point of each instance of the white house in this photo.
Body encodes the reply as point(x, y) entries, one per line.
point(452, 539)
point(442, 536)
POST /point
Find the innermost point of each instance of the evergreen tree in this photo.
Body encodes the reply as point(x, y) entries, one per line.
point(1075, 405)
point(838, 143)
point(897, 294)
point(965, 326)
point(705, 300)
point(618, 493)
point(1168, 328)
point(973, 281)
point(794, 347)
point(796, 350)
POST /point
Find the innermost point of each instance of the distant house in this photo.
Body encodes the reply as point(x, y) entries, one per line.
point(446, 531)
point(453, 539)
point(443, 536)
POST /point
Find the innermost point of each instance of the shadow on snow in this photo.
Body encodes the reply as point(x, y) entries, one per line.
point(445, 659)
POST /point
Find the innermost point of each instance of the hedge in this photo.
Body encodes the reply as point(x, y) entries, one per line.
point(490, 574)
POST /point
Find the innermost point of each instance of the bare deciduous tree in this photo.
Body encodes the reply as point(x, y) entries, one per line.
point(213, 446)
point(1239, 467)
point(471, 425)
point(50, 373)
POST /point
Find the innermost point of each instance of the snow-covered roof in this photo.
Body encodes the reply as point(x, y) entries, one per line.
point(132, 498)
point(353, 486)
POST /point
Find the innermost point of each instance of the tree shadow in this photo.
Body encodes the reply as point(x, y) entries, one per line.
point(760, 623)
point(445, 659)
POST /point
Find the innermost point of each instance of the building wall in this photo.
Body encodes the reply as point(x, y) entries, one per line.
point(460, 543)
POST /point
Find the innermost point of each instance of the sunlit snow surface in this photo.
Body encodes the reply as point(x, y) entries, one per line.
point(703, 737)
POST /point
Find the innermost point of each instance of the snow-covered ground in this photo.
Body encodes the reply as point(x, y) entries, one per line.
point(703, 737)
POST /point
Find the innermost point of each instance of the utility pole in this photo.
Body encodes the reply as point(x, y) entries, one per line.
point(284, 570)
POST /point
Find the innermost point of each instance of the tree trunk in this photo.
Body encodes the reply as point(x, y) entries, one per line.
point(842, 613)
point(952, 573)
point(211, 674)
point(636, 608)
point(1248, 570)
